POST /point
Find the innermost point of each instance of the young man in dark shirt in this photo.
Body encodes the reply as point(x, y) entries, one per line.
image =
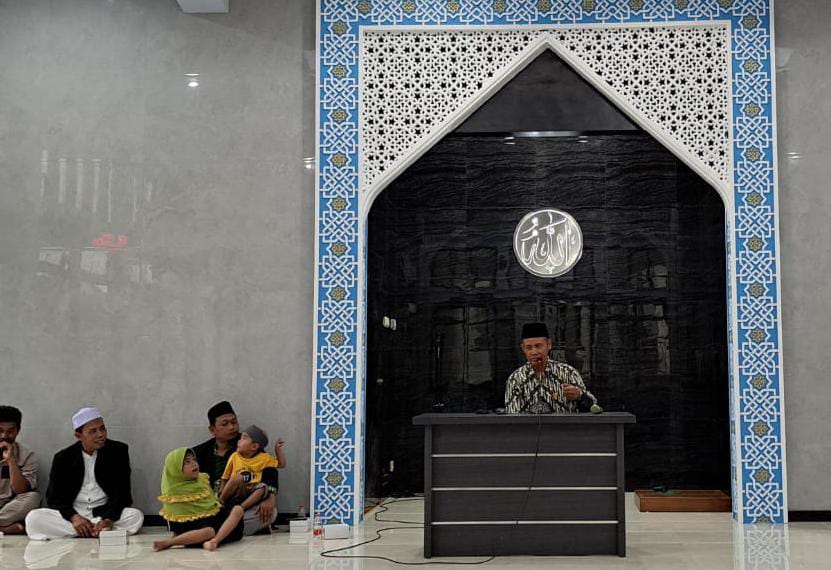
point(213, 454)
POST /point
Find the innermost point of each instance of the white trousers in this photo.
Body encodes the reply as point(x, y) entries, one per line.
point(45, 524)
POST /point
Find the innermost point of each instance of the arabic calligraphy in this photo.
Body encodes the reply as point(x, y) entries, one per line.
point(548, 243)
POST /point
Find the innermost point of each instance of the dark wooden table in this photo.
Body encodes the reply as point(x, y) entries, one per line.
point(524, 484)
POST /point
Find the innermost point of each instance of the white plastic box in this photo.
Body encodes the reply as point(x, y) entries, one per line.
point(331, 531)
point(112, 538)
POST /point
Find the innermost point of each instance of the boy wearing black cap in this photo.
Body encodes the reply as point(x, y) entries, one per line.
point(541, 385)
point(213, 456)
point(251, 472)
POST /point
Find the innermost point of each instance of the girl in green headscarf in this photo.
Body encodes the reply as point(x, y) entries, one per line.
point(191, 508)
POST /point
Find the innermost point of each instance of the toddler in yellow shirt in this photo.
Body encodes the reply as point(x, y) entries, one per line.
point(251, 472)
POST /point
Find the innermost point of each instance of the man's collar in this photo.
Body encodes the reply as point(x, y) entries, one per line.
point(94, 453)
point(549, 364)
point(232, 445)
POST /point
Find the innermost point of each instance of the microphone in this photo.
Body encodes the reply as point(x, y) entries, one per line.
point(596, 408)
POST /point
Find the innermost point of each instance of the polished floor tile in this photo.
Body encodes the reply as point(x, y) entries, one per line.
point(676, 541)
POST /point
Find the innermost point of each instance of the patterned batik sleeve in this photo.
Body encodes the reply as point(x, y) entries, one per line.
point(512, 404)
point(575, 378)
point(583, 404)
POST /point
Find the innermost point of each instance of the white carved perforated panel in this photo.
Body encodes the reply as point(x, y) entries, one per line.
point(676, 75)
point(411, 81)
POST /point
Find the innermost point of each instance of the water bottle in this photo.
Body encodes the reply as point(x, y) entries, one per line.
point(301, 512)
point(317, 528)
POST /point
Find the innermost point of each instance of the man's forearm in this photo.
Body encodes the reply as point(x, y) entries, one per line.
point(67, 511)
point(117, 502)
point(584, 403)
point(19, 483)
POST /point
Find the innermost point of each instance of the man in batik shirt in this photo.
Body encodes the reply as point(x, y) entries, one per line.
point(541, 385)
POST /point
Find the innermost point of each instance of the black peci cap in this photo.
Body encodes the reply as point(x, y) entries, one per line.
point(220, 409)
point(534, 330)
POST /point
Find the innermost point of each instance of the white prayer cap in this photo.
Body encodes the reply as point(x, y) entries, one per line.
point(84, 416)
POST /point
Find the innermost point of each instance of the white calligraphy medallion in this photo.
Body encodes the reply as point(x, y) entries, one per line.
point(548, 243)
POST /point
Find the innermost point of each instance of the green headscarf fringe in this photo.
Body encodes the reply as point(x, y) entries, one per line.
point(182, 499)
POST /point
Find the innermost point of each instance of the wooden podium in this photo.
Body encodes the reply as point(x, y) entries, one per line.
point(523, 484)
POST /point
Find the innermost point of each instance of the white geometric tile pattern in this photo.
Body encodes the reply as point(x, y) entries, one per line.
point(411, 81)
point(758, 458)
point(677, 76)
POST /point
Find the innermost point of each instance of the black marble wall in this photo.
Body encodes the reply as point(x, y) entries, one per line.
point(547, 95)
point(642, 315)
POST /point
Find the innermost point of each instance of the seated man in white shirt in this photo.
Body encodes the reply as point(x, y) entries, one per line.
point(89, 486)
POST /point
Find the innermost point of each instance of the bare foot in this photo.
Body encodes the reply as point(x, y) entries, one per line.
point(160, 545)
point(14, 528)
point(210, 545)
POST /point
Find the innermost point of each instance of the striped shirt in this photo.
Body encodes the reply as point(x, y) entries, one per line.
point(527, 394)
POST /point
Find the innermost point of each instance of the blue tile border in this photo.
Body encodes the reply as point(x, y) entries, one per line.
point(757, 429)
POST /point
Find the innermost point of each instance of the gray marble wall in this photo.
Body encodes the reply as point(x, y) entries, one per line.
point(212, 295)
point(209, 293)
point(804, 119)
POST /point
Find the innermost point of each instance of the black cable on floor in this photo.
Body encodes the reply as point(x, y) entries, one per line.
point(329, 553)
point(383, 505)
